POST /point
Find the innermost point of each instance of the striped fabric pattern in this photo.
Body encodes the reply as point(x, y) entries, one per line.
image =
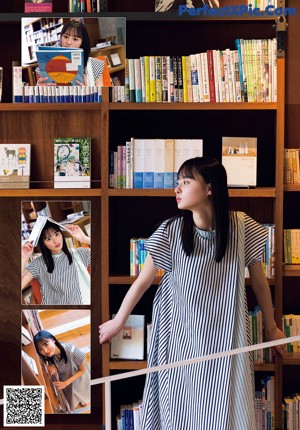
point(62, 286)
point(200, 309)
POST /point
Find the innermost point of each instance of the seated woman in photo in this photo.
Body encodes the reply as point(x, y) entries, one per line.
point(61, 272)
point(74, 35)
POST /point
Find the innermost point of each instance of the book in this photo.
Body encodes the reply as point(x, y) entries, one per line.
point(14, 165)
point(63, 66)
point(31, 361)
point(17, 84)
point(38, 227)
point(72, 161)
point(239, 157)
point(129, 343)
point(32, 6)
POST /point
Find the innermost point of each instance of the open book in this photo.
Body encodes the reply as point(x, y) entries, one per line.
point(63, 66)
point(38, 227)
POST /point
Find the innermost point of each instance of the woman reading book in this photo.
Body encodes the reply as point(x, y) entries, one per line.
point(199, 308)
point(61, 272)
point(75, 35)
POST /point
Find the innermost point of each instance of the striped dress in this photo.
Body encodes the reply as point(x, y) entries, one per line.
point(61, 287)
point(199, 309)
point(79, 391)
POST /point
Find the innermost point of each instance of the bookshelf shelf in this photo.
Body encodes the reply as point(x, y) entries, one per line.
point(127, 365)
point(45, 192)
point(31, 107)
point(193, 106)
point(291, 270)
point(292, 187)
point(291, 359)
point(233, 192)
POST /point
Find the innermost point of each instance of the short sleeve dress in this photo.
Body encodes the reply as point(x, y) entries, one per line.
point(79, 390)
point(199, 309)
point(61, 287)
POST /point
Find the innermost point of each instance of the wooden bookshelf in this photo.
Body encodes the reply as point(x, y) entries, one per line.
point(110, 124)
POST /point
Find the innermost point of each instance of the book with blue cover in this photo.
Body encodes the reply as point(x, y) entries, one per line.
point(62, 66)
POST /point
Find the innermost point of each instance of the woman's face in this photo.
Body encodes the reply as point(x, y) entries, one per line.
point(192, 194)
point(53, 240)
point(70, 40)
point(48, 348)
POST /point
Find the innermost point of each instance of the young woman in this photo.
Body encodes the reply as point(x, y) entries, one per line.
point(62, 273)
point(200, 307)
point(68, 362)
point(74, 35)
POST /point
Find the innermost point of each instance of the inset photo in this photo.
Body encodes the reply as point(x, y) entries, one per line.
point(56, 355)
point(56, 252)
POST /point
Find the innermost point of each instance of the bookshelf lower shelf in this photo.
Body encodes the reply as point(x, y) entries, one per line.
point(127, 365)
point(136, 365)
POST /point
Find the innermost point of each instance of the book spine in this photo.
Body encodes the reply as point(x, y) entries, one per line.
point(131, 80)
point(152, 78)
point(137, 80)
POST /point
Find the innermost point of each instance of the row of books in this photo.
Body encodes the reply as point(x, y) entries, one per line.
point(151, 163)
point(57, 94)
point(130, 416)
point(88, 6)
point(291, 246)
point(247, 74)
point(291, 412)
point(291, 327)
point(32, 6)
point(265, 404)
point(262, 4)
point(72, 163)
point(292, 166)
point(138, 254)
point(256, 332)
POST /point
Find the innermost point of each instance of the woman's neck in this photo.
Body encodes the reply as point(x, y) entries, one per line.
point(204, 219)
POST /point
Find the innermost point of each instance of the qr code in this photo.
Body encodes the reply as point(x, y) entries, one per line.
point(24, 406)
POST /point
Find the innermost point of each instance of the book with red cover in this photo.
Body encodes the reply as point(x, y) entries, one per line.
point(38, 6)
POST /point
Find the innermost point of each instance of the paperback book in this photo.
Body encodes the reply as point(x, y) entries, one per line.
point(129, 343)
point(239, 157)
point(72, 162)
point(14, 165)
point(62, 66)
point(31, 6)
point(38, 227)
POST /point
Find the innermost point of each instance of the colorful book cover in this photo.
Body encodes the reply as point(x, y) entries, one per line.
point(14, 165)
point(72, 162)
point(63, 66)
point(31, 6)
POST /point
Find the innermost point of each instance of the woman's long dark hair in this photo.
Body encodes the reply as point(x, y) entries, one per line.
point(42, 337)
point(46, 253)
point(79, 30)
point(213, 173)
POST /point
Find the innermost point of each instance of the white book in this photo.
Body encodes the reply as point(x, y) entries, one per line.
point(168, 163)
point(159, 145)
point(129, 343)
point(129, 165)
point(26, 338)
point(17, 84)
point(205, 79)
point(200, 77)
point(177, 158)
point(239, 157)
point(138, 162)
point(143, 77)
point(194, 79)
point(38, 227)
point(148, 178)
point(31, 362)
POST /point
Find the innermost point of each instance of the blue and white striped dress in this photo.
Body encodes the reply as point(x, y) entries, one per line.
point(61, 287)
point(200, 308)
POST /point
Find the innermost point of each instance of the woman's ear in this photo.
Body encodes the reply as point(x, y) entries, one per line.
point(209, 193)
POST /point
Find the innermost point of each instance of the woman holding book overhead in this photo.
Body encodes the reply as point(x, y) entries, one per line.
point(199, 307)
point(75, 35)
point(61, 272)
